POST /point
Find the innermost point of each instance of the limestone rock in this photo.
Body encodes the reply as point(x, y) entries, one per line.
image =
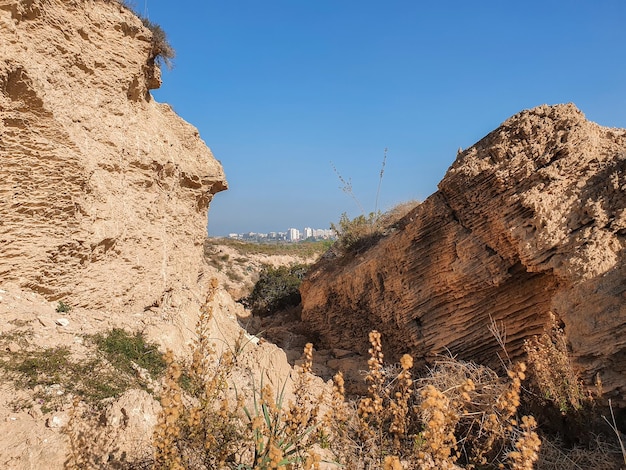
point(528, 221)
point(104, 192)
point(103, 204)
point(136, 412)
point(57, 420)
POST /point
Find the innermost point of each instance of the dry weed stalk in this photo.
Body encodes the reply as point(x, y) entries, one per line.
point(527, 446)
point(209, 425)
point(392, 462)
point(204, 430)
point(399, 405)
point(552, 371)
point(303, 411)
point(371, 407)
point(613, 425)
point(302, 415)
point(335, 429)
point(438, 449)
point(167, 432)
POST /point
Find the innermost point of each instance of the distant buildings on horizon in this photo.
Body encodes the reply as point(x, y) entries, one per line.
point(291, 235)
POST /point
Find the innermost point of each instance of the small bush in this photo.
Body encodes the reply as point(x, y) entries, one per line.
point(62, 307)
point(123, 349)
point(162, 51)
point(277, 288)
point(356, 234)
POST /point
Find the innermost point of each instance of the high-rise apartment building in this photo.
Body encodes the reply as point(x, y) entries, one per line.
point(293, 234)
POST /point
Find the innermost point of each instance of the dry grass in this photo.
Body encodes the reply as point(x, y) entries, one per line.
point(552, 374)
point(598, 455)
point(459, 414)
point(304, 250)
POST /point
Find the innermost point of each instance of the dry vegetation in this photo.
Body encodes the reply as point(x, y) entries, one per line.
point(458, 415)
point(455, 415)
point(363, 231)
point(161, 51)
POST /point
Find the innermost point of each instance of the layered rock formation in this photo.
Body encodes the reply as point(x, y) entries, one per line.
point(103, 204)
point(103, 191)
point(528, 221)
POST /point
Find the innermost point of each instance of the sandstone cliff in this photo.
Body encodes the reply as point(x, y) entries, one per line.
point(530, 220)
point(104, 191)
point(103, 204)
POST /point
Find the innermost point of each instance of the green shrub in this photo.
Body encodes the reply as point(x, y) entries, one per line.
point(62, 307)
point(359, 233)
point(354, 235)
point(122, 349)
point(53, 373)
point(107, 375)
point(277, 288)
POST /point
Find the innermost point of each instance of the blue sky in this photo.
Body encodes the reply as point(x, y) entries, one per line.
point(279, 89)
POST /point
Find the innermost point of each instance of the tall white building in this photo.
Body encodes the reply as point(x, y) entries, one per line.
point(307, 232)
point(293, 234)
point(324, 233)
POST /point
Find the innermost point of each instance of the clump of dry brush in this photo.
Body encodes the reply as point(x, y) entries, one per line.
point(459, 415)
point(208, 422)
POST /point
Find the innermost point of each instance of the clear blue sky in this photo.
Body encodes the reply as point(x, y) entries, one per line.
point(280, 88)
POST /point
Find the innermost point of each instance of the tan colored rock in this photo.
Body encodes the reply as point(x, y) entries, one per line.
point(136, 413)
point(104, 191)
point(57, 420)
point(530, 220)
point(103, 204)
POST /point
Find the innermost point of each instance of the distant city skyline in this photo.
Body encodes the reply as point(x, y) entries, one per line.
point(292, 234)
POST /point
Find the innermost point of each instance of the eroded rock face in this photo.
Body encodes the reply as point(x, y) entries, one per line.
point(104, 192)
point(530, 220)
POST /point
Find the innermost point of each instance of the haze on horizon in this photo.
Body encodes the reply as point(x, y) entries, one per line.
point(280, 89)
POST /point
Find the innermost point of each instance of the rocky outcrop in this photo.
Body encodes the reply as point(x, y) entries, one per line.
point(103, 191)
point(528, 221)
point(103, 204)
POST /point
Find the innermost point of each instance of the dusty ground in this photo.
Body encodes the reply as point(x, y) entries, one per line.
point(33, 420)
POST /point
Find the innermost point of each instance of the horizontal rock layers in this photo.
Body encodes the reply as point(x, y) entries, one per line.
point(530, 220)
point(103, 191)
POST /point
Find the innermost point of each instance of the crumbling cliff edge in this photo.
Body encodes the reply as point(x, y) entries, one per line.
point(104, 191)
